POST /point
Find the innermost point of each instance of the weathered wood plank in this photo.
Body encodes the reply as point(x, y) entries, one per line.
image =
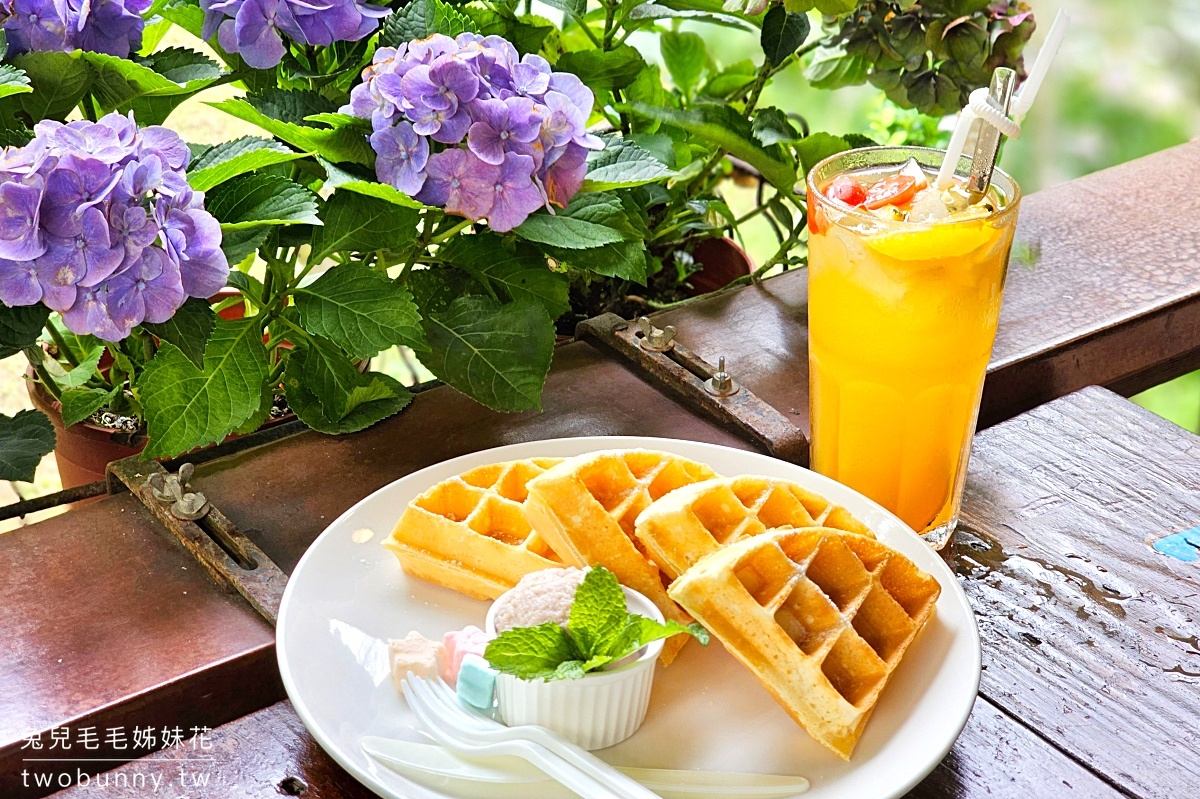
point(269, 753)
point(1089, 635)
point(996, 758)
point(103, 617)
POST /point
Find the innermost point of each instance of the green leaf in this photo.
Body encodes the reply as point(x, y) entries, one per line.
point(819, 146)
point(614, 69)
point(593, 219)
point(330, 393)
point(685, 55)
point(360, 310)
point(24, 439)
point(435, 288)
point(226, 161)
point(569, 670)
point(598, 613)
point(339, 178)
point(358, 223)
point(736, 76)
point(647, 88)
point(186, 407)
point(721, 125)
point(574, 8)
point(625, 260)
point(78, 375)
point(622, 164)
point(187, 14)
point(169, 76)
point(831, 8)
point(388, 398)
point(496, 354)
point(249, 201)
point(639, 631)
point(423, 18)
point(832, 68)
point(283, 114)
point(238, 244)
point(189, 328)
point(20, 327)
point(531, 652)
point(13, 81)
point(510, 272)
point(782, 34)
point(771, 126)
point(80, 403)
point(59, 82)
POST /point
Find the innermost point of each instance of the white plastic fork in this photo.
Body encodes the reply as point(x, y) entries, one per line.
point(451, 730)
point(492, 731)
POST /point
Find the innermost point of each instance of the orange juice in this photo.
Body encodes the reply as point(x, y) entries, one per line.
point(902, 317)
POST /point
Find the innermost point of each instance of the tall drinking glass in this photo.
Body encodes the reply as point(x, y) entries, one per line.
point(902, 317)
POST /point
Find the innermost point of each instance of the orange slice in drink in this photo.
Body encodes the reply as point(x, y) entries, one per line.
point(934, 242)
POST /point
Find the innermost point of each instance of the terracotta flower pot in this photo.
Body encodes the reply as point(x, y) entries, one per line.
point(84, 449)
point(721, 261)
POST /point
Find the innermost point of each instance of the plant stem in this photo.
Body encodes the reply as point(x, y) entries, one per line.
point(39, 368)
point(439, 238)
point(61, 343)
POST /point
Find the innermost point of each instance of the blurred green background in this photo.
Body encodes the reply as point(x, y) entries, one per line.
point(1126, 83)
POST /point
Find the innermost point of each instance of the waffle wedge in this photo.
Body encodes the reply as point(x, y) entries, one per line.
point(469, 532)
point(822, 617)
point(696, 520)
point(585, 509)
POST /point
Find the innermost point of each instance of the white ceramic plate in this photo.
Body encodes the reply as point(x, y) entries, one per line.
point(348, 595)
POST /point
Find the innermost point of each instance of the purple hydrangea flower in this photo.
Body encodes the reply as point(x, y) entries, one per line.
point(523, 125)
point(97, 222)
point(19, 284)
point(460, 182)
point(514, 195)
point(499, 122)
point(102, 26)
point(148, 290)
point(20, 213)
point(255, 29)
point(402, 156)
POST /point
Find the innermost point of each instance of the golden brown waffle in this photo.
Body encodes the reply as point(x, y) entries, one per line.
point(469, 532)
point(585, 509)
point(822, 617)
point(691, 522)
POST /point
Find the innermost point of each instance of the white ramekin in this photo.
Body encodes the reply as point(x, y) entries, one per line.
point(600, 709)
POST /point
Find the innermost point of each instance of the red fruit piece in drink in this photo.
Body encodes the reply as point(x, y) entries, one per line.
point(892, 190)
point(846, 189)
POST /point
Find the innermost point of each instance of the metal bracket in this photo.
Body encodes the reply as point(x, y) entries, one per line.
point(658, 355)
point(207, 534)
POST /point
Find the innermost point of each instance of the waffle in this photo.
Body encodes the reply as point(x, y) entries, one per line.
point(822, 617)
point(693, 521)
point(469, 532)
point(585, 509)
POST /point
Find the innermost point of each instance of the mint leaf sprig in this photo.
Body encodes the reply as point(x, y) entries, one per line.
point(599, 631)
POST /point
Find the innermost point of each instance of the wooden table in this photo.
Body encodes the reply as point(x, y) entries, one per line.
point(1091, 660)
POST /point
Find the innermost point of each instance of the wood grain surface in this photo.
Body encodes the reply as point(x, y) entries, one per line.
point(1089, 635)
point(270, 754)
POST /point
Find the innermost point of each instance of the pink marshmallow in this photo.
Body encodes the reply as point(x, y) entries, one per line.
point(458, 644)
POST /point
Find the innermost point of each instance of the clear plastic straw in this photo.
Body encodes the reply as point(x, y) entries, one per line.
point(979, 108)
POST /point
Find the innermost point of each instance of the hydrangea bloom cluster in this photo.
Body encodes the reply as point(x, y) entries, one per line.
point(254, 29)
point(97, 221)
point(470, 125)
point(101, 26)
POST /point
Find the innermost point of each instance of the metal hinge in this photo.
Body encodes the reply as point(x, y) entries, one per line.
point(207, 534)
point(657, 354)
